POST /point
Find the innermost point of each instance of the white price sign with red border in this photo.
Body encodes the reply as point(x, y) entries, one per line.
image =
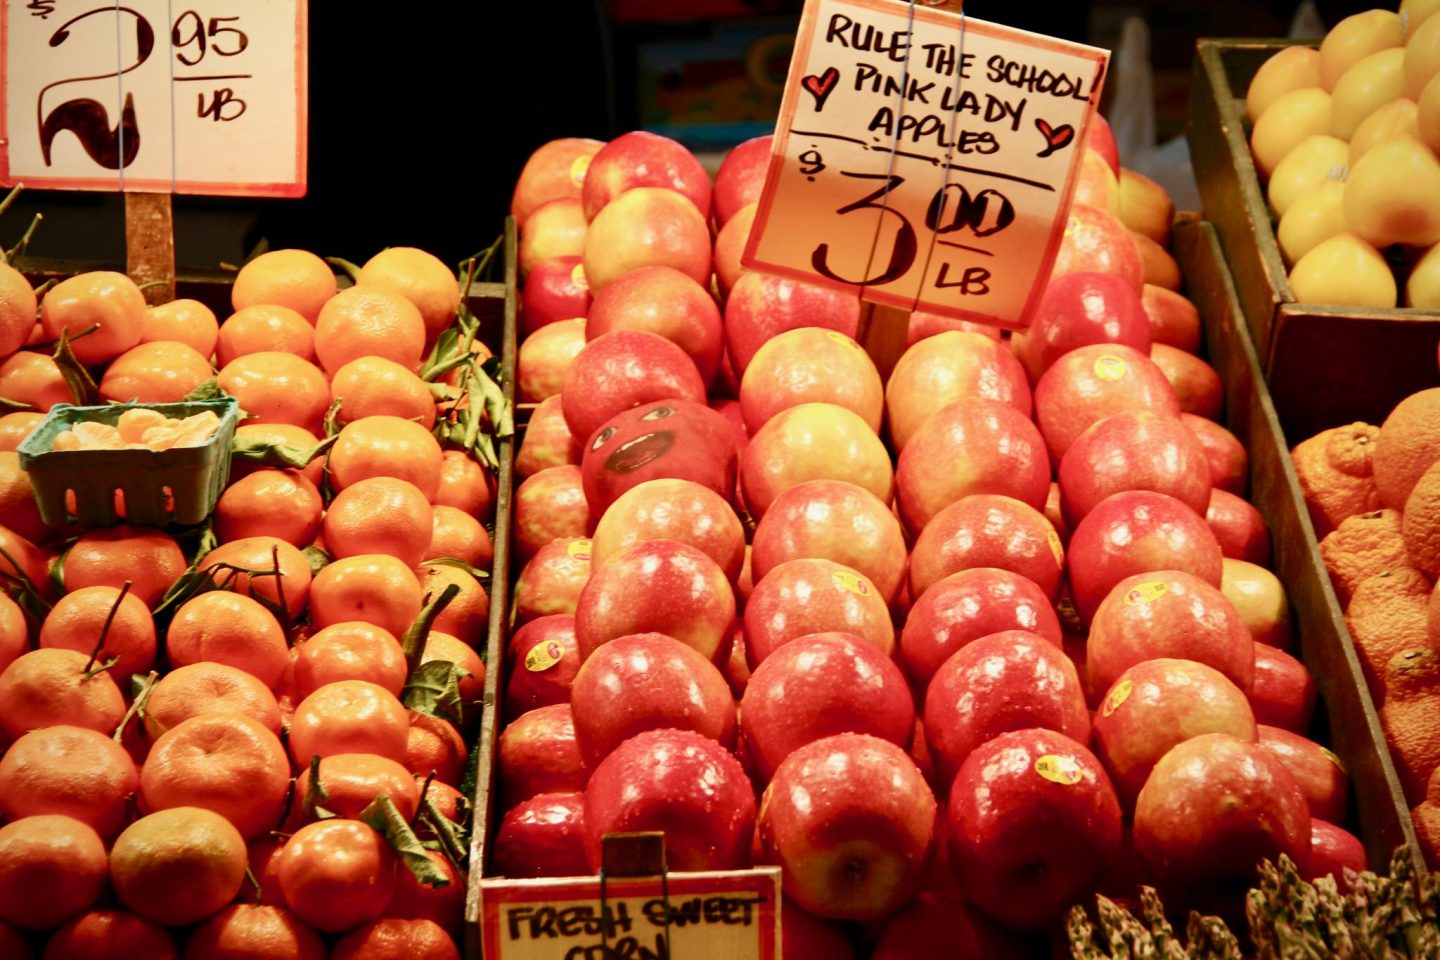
point(184, 96)
point(925, 160)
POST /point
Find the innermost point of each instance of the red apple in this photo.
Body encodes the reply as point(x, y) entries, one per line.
point(972, 446)
point(1173, 319)
point(817, 686)
point(1168, 613)
point(665, 302)
point(1080, 309)
point(810, 365)
point(621, 370)
point(1134, 450)
point(966, 606)
point(1238, 526)
point(1007, 681)
point(648, 681)
point(545, 657)
point(545, 357)
point(669, 439)
point(554, 290)
point(679, 510)
point(1013, 797)
point(1095, 240)
point(1319, 772)
point(1197, 386)
point(947, 367)
point(646, 226)
point(1055, 514)
point(832, 520)
point(537, 753)
point(641, 159)
point(1096, 184)
point(730, 247)
point(1229, 463)
point(678, 782)
point(736, 669)
point(551, 582)
point(548, 506)
point(1154, 706)
point(850, 821)
point(811, 595)
point(804, 936)
point(542, 838)
point(1213, 808)
point(1145, 206)
point(555, 170)
point(1137, 532)
point(547, 441)
point(556, 228)
point(942, 925)
point(741, 177)
point(729, 408)
point(1332, 852)
point(988, 531)
point(1100, 138)
point(1260, 600)
point(813, 441)
point(760, 305)
point(1284, 692)
point(924, 325)
point(1158, 267)
point(657, 586)
point(1091, 383)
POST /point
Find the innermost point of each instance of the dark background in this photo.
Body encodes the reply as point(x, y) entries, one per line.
point(421, 118)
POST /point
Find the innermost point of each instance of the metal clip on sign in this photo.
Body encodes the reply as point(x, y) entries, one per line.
point(626, 855)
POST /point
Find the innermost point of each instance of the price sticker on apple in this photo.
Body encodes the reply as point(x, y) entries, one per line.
point(179, 96)
point(722, 915)
point(925, 160)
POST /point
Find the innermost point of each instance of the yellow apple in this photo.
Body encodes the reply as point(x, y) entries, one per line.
point(1423, 288)
point(1343, 270)
point(1310, 164)
point(1427, 114)
point(1311, 220)
point(1366, 87)
point(1415, 13)
point(1287, 123)
point(1145, 207)
point(1260, 599)
point(1398, 118)
point(1293, 68)
point(1422, 56)
point(1393, 195)
point(1355, 38)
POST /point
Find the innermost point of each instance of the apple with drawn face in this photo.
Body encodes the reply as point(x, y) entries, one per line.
point(667, 439)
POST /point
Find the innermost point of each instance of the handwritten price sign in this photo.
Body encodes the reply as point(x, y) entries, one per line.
point(731, 915)
point(923, 160)
point(188, 96)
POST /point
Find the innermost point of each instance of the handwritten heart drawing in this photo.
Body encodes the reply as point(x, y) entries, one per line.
point(1056, 138)
point(820, 87)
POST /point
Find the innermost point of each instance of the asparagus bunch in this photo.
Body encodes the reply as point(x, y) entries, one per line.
point(1380, 918)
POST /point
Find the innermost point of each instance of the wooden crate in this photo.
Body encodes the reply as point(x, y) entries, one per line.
point(1380, 811)
point(1326, 365)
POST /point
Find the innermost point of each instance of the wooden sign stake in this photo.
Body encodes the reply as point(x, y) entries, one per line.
point(633, 854)
point(150, 244)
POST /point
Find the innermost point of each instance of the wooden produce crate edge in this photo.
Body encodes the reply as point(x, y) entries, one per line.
point(498, 632)
point(1325, 644)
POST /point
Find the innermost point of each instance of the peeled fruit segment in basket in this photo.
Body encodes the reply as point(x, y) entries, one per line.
point(139, 429)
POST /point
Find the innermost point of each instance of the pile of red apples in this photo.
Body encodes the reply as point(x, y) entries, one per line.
point(955, 647)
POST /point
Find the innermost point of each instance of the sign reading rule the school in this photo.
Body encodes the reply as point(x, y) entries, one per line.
point(183, 96)
point(925, 160)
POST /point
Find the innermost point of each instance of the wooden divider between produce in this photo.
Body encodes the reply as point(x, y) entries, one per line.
point(1326, 365)
point(1325, 644)
point(499, 630)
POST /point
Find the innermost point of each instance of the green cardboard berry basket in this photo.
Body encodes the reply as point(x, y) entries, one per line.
point(160, 487)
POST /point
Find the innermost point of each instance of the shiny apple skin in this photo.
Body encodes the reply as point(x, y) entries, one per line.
point(813, 441)
point(678, 782)
point(1091, 383)
point(801, 597)
point(1238, 527)
point(668, 439)
point(966, 606)
point(987, 530)
point(550, 505)
point(1332, 852)
point(546, 679)
point(643, 159)
point(949, 366)
point(1319, 772)
point(1156, 705)
point(1007, 681)
point(1079, 309)
point(1283, 694)
point(1137, 532)
point(820, 685)
point(850, 820)
point(673, 509)
point(551, 583)
point(1006, 819)
point(741, 177)
point(663, 301)
point(1134, 450)
point(624, 369)
point(657, 586)
point(761, 305)
point(542, 838)
point(1229, 463)
point(968, 447)
point(537, 753)
point(648, 681)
